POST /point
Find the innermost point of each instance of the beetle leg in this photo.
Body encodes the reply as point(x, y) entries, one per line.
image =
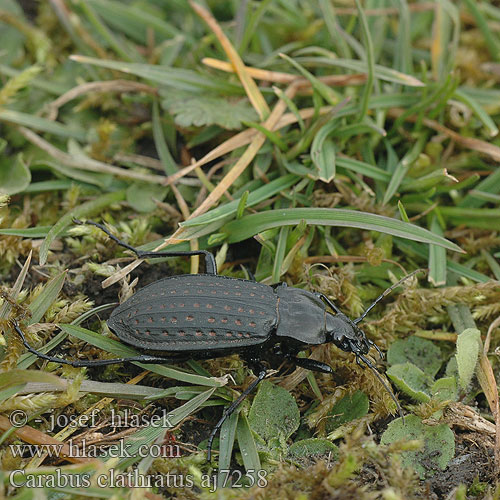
point(210, 265)
point(312, 364)
point(315, 366)
point(231, 408)
point(142, 358)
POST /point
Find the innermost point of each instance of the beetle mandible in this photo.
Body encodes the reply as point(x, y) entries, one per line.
point(206, 316)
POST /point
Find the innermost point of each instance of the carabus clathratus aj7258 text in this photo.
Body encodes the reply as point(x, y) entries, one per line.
point(205, 316)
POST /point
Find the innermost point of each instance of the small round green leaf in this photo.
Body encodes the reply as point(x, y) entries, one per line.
point(420, 352)
point(141, 196)
point(438, 444)
point(15, 176)
point(274, 415)
point(411, 380)
point(313, 447)
point(350, 407)
point(445, 389)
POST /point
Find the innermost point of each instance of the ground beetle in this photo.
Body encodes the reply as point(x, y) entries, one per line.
point(205, 316)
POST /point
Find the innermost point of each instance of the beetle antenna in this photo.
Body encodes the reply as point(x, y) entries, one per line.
point(377, 348)
point(370, 365)
point(385, 293)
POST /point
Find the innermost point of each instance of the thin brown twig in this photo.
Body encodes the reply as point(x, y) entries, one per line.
point(143, 161)
point(93, 87)
point(424, 213)
point(85, 163)
point(469, 142)
point(281, 77)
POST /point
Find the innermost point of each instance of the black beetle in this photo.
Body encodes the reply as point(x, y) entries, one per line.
point(205, 316)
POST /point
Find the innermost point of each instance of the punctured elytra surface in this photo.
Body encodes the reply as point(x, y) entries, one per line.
point(196, 312)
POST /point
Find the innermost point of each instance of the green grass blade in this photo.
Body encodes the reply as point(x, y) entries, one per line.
point(490, 185)
point(51, 87)
point(419, 185)
point(135, 21)
point(280, 253)
point(272, 136)
point(492, 262)
point(27, 232)
point(370, 69)
point(403, 166)
point(402, 212)
point(491, 39)
point(323, 152)
point(161, 144)
point(55, 185)
point(481, 195)
point(42, 124)
point(471, 215)
point(16, 376)
point(330, 96)
point(250, 225)
point(107, 34)
point(104, 389)
point(226, 443)
point(403, 54)
point(6, 307)
point(46, 297)
point(332, 26)
point(252, 23)
point(478, 110)
point(437, 258)
point(363, 168)
point(6, 394)
point(248, 448)
point(292, 107)
point(484, 96)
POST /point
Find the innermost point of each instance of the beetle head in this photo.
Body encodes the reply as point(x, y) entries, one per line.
point(346, 335)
